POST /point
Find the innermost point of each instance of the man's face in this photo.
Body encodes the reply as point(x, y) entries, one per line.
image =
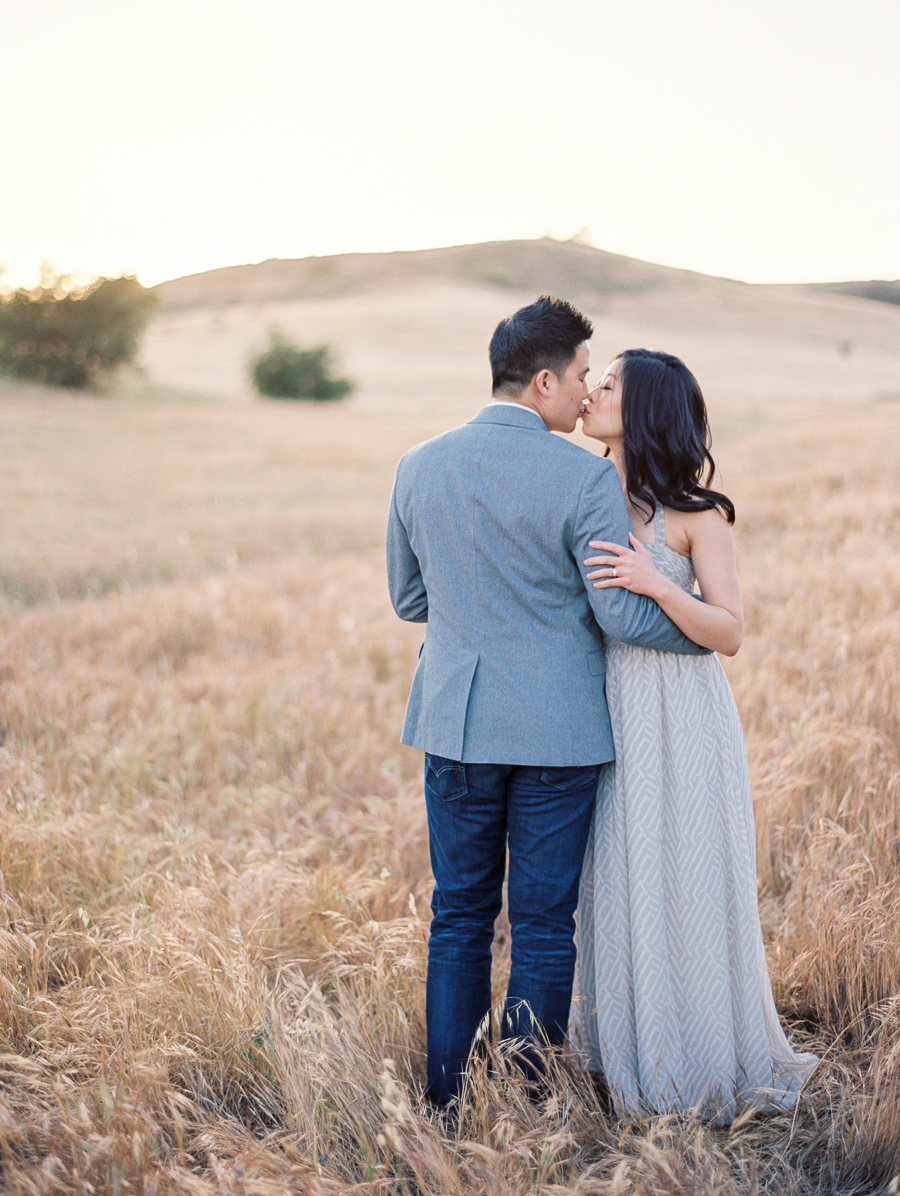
point(562, 406)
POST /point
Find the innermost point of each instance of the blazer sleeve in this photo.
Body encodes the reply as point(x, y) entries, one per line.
point(629, 618)
point(404, 574)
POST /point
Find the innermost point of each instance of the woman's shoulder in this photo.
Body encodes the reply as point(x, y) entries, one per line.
point(685, 529)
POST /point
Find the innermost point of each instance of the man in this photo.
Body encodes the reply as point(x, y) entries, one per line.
point(488, 528)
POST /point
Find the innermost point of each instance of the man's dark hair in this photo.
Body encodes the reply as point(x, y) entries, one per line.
point(543, 336)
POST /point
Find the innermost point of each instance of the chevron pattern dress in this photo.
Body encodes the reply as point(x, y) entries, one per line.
point(673, 1002)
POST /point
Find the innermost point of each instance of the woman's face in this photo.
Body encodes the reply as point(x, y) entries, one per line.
point(602, 419)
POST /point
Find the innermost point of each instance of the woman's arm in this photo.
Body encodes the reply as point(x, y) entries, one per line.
point(718, 621)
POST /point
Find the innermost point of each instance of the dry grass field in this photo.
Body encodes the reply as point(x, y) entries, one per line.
point(214, 863)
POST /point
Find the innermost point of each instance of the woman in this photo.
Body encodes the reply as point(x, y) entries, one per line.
point(675, 1005)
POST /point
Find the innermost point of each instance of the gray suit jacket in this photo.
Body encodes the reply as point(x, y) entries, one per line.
point(488, 528)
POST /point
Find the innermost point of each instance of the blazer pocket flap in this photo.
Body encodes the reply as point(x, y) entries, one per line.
point(597, 663)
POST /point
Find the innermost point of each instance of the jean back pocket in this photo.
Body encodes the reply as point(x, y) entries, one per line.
point(445, 779)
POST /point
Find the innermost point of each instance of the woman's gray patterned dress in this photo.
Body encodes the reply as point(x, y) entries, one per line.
point(673, 1001)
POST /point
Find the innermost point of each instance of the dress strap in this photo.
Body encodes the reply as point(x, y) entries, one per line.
point(659, 523)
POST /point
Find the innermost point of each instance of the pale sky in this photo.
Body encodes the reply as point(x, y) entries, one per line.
point(756, 139)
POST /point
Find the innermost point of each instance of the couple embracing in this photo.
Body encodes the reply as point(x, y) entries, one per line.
point(573, 716)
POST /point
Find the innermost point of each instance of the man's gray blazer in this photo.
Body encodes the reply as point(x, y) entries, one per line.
point(488, 530)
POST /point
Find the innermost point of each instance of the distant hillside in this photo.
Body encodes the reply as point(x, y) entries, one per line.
point(579, 272)
point(884, 292)
point(412, 329)
point(586, 275)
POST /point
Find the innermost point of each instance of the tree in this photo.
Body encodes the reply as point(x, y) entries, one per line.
point(286, 371)
point(67, 335)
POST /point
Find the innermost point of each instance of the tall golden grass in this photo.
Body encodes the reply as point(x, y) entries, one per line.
point(214, 862)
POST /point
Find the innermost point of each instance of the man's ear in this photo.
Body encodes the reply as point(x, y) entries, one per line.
point(542, 382)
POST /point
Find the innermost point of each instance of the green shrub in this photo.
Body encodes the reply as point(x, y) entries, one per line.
point(285, 371)
point(67, 336)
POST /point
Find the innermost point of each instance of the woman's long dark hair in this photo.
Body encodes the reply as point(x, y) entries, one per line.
point(666, 435)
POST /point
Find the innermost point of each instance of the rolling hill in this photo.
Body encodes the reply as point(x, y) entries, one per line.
point(412, 328)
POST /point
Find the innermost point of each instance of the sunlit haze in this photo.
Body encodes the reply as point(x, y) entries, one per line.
point(756, 141)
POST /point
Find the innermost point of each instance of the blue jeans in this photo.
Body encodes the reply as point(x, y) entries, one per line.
point(474, 810)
